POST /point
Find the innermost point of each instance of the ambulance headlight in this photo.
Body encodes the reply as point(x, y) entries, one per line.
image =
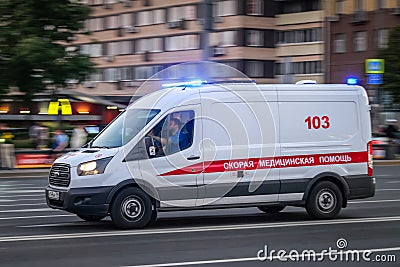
point(93, 167)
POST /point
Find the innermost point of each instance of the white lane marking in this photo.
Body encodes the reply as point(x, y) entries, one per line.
point(23, 199)
point(374, 201)
point(194, 229)
point(388, 189)
point(35, 195)
point(37, 216)
point(393, 182)
point(17, 186)
point(79, 223)
point(14, 184)
point(27, 204)
point(231, 260)
point(22, 191)
point(26, 210)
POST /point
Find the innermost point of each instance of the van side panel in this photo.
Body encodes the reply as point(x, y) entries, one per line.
point(325, 124)
point(238, 129)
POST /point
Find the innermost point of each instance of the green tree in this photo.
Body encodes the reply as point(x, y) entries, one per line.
point(33, 35)
point(391, 54)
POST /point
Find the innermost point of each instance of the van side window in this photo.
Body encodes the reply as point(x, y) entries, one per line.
point(174, 133)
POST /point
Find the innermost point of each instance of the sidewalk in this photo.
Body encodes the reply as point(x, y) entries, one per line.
point(44, 172)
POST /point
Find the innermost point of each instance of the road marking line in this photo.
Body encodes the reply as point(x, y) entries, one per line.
point(22, 191)
point(76, 223)
point(194, 229)
point(204, 262)
point(393, 182)
point(24, 199)
point(374, 201)
point(37, 216)
point(390, 189)
point(17, 186)
point(36, 195)
point(14, 184)
point(26, 210)
point(27, 204)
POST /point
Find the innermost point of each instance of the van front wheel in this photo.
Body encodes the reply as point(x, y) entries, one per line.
point(325, 201)
point(131, 208)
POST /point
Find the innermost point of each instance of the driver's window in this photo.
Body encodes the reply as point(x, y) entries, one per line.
point(172, 134)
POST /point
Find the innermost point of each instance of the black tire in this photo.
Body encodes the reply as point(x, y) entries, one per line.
point(131, 208)
point(271, 209)
point(91, 218)
point(325, 201)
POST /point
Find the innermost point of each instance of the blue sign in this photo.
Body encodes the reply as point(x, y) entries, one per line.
point(374, 79)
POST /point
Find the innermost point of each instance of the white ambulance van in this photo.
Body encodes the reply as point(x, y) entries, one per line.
point(222, 145)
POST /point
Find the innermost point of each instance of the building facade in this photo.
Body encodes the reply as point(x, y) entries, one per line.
point(132, 40)
point(357, 29)
point(300, 41)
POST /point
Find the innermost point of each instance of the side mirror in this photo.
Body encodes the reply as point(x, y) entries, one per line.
point(150, 148)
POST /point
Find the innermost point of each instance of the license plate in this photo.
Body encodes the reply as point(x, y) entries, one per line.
point(53, 195)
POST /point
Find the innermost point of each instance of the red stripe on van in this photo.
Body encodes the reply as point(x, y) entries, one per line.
point(272, 162)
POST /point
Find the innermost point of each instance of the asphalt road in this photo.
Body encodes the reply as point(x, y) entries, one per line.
point(31, 234)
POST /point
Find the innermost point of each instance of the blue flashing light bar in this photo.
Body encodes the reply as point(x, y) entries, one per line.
point(193, 83)
point(352, 81)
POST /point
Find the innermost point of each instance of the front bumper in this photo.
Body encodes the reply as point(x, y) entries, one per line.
point(82, 201)
point(360, 186)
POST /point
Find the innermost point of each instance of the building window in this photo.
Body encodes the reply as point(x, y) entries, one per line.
point(159, 16)
point(149, 45)
point(225, 8)
point(306, 67)
point(226, 38)
point(300, 36)
point(254, 38)
point(145, 72)
point(126, 19)
point(92, 50)
point(254, 68)
point(255, 7)
point(380, 4)
point(96, 24)
point(182, 42)
point(112, 22)
point(181, 13)
point(359, 5)
point(339, 7)
point(144, 18)
point(360, 41)
point(340, 43)
point(382, 38)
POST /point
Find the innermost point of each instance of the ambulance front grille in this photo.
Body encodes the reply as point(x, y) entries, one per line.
point(60, 175)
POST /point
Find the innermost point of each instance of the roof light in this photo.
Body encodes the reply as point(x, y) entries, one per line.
point(352, 81)
point(193, 83)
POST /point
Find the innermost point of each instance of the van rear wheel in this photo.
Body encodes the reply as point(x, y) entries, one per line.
point(131, 208)
point(271, 209)
point(324, 201)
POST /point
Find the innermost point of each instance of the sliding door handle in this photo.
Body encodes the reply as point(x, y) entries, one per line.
point(193, 157)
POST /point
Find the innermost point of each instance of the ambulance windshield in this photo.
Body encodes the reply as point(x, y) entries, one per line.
point(124, 128)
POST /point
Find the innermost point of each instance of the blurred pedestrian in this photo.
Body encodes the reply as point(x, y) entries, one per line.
point(79, 137)
point(60, 141)
point(43, 137)
point(391, 129)
point(34, 133)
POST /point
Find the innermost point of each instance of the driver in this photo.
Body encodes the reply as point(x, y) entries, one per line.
point(176, 141)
